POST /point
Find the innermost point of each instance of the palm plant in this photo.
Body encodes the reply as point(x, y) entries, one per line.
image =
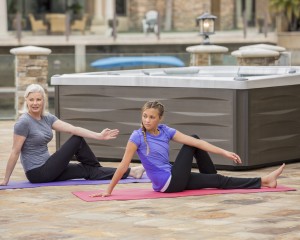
point(290, 10)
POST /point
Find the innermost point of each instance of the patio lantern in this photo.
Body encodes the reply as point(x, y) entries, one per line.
point(206, 23)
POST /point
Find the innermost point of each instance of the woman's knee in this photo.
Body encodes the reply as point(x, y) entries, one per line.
point(75, 137)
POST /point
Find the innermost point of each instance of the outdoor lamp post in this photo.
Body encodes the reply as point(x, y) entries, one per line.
point(206, 24)
point(201, 55)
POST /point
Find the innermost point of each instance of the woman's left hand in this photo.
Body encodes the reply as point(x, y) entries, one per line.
point(107, 134)
point(233, 156)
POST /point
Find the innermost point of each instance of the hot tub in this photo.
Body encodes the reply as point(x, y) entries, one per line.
point(253, 111)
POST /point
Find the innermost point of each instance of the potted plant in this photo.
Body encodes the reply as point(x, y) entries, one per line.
point(287, 22)
point(288, 13)
point(75, 9)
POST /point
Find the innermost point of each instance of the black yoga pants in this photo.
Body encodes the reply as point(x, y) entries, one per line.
point(184, 179)
point(59, 168)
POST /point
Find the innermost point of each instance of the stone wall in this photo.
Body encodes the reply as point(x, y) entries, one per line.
point(226, 14)
point(184, 13)
point(136, 12)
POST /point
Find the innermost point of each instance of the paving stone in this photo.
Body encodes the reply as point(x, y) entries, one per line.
point(55, 213)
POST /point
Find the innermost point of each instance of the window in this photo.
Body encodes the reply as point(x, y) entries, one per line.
point(121, 7)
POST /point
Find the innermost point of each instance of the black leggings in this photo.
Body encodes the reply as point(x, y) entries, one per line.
point(184, 179)
point(59, 168)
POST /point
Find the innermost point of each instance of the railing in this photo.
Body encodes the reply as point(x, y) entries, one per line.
point(57, 64)
point(64, 24)
point(67, 24)
point(66, 63)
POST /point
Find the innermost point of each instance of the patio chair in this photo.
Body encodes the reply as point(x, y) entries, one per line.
point(36, 25)
point(150, 22)
point(57, 22)
point(80, 25)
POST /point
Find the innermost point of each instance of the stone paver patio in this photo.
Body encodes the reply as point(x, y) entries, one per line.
point(54, 213)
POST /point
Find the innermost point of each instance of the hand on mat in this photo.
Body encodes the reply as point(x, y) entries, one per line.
point(233, 156)
point(107, 134)
point(104, 194)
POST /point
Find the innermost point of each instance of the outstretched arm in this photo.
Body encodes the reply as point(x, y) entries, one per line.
point(106, 133)
point(201, 144)
point(122, 168)
point(13, 158)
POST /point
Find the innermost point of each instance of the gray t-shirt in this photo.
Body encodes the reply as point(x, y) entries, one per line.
point(38, 133)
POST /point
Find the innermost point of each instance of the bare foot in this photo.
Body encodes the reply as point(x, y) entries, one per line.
point(137, 172)
point(270, 180)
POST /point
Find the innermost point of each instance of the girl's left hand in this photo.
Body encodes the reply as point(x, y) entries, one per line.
point(107, 134)
point(233, 156)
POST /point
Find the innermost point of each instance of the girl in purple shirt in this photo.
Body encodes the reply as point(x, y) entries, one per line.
point(151, 142)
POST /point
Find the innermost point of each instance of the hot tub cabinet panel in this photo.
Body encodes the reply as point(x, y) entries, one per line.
point(257, 118)
point(274, 124)
point(205, 112)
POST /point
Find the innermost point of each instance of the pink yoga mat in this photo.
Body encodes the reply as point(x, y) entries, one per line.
point(137, 193)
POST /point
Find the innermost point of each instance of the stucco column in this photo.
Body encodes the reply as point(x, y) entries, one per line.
point(31, 66)
point(80, 58)
point(109, 9)
point(99, 22)
point(201, 54)
point(3, 17)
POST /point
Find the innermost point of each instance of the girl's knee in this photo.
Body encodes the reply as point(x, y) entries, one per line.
point(195, 136)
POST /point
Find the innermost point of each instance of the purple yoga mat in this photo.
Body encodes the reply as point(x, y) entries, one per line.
point(26, 184)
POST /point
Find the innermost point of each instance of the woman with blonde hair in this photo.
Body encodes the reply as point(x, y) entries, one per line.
point(32, 133)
